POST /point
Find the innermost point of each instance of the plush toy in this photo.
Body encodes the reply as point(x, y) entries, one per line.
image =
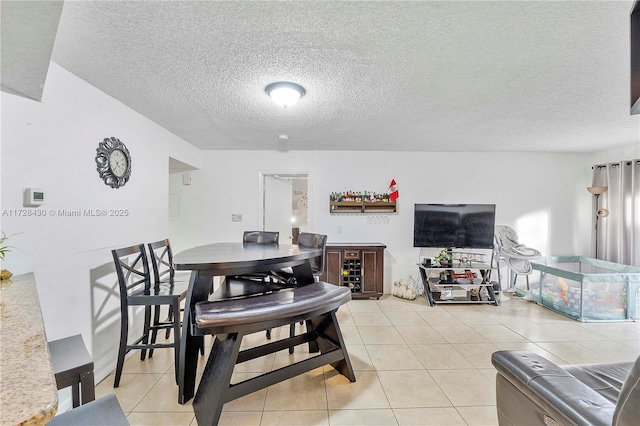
point(403, 290)
point(565, 288)
point(563, 284)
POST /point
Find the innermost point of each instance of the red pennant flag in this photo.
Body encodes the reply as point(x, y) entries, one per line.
point(393, 190)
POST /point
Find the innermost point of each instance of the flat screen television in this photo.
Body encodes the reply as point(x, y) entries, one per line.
point(454, 225)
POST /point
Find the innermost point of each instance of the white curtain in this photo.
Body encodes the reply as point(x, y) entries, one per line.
point(619, 233)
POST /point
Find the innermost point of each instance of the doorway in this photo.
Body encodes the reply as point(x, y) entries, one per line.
point(184, 211)
point(285, 204)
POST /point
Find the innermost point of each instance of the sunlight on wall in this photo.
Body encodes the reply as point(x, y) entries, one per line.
point(533, 231)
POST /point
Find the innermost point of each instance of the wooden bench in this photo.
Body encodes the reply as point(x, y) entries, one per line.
point(231, 320)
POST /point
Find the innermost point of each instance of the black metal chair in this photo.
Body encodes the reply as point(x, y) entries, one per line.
point(306, 240)
point(136, 289)
point(310, 240)
point(163, 272)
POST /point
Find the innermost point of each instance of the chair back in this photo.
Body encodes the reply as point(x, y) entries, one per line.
point(261, 237)
point(506, 237)
point(310, 240)
point(161, 261)
point(132, 269)
point(506, 247)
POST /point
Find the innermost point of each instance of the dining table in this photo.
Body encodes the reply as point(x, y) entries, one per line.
point(228, 259)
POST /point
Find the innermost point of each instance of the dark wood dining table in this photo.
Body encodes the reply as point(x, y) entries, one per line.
point(227, 259)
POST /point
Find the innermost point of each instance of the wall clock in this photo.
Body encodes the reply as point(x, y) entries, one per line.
point(114, 162)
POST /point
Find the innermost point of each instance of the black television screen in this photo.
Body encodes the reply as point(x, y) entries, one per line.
point(454, 225)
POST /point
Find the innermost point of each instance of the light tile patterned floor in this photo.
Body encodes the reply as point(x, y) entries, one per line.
point(415, 365)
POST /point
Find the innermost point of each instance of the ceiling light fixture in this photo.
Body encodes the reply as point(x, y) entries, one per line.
point(285, 93)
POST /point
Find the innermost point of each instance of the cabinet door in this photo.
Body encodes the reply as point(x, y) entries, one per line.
point(333, 267)
point(372, 271)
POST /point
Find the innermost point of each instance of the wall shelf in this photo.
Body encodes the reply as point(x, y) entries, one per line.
point(366, 207)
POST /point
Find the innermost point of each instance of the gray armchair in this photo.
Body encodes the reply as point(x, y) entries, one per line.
point(532, 390)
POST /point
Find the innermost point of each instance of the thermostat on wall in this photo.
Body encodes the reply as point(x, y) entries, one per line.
point(186, 179)
point(33, 197)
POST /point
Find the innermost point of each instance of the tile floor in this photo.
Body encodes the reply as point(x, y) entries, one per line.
point(415, 365)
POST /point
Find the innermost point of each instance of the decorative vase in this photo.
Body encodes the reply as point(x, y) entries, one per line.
point(5, 274)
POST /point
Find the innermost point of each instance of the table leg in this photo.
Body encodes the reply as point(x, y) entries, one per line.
point(214, 387)
point(75, 395)
point(88, 387)
point(199, 287)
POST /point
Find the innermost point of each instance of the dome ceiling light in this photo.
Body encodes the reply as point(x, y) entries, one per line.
point(285, 93)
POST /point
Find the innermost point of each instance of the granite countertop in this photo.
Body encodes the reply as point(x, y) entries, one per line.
point(28, 391)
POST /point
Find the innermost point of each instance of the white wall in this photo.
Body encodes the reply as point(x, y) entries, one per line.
point(185, 209)
point(52, 145)
point(541, 194)
point(629, 152)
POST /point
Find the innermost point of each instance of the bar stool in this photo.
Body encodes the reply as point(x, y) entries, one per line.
point(73, 366)
point(101, 412)
point(136, 289)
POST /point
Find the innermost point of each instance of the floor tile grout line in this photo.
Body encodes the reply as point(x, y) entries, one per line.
point(506, 320)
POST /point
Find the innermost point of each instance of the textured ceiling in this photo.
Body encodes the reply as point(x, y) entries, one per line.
point(385, 75)
point(26, 53)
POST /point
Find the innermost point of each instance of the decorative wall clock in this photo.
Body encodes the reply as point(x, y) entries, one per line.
point(114, 162)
